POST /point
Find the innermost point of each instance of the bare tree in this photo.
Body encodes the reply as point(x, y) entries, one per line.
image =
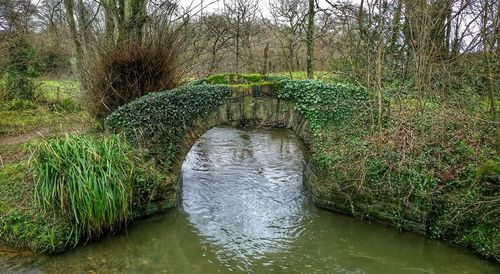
point(289, 19)
point(218, 34)
point(241, 15)
point(16, 15)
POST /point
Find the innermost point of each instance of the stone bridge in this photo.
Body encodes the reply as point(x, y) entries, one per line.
point(251, 106)
point(244, 106)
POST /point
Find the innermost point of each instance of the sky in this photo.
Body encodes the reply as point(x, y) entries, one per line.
point(211, 5)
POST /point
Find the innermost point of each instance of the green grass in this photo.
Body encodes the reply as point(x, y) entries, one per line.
point(86, 185)
point(22, 223)
point(88, 179)
point(53, 90)
point(57, 107)
point(13, 122)
point(318, 75)
point(75, 188)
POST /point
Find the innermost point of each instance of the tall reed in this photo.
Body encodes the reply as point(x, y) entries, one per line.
point(87, 179)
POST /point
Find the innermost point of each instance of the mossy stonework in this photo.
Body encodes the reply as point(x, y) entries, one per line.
point(251, 106)
point(243, 106)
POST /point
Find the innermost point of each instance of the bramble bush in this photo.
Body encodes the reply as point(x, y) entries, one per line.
point(21, 65)
point(18, 86)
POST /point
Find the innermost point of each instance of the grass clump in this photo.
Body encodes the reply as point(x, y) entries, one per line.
point(87, 179)
point(18, 105)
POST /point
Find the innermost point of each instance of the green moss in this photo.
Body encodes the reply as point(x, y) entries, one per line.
point(40, 234)
point(234, 78)
point(154, 191)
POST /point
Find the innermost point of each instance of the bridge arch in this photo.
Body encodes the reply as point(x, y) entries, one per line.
point(239, 106)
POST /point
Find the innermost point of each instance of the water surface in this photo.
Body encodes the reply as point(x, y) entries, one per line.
point(244, 209)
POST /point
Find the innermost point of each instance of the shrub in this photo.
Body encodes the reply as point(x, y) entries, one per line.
point(115, 75)
point(162, 118)
point(65, 104)
point(18, 86)
point(20, 66)
point(54, 59)
point(87, 179)
point(22, 57)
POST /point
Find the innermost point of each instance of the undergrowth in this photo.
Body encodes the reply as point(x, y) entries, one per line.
point(22, 222)
point(434, 172)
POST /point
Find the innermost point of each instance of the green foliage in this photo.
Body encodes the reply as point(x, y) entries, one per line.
point(54, 60)
point(489, 171)
point(39, 233)
point(20, 66)
point(87, 179)
point(322, 103)
point(18, 86)
point(22, 57)
point(325, 76)
point(22, 223)
point(426, 174)
point(65, 104)
point(18, 105)
point(60, 95)
point(161, 119)
point(150, 187)
point(84, 186)
point(18, 122)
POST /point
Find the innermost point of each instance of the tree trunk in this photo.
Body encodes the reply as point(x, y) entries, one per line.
point(70, 18)
point(266, 59)
point(310, 40)
point(134, 18)
point(110, 18)
point(379, 60)
point(487, 52)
